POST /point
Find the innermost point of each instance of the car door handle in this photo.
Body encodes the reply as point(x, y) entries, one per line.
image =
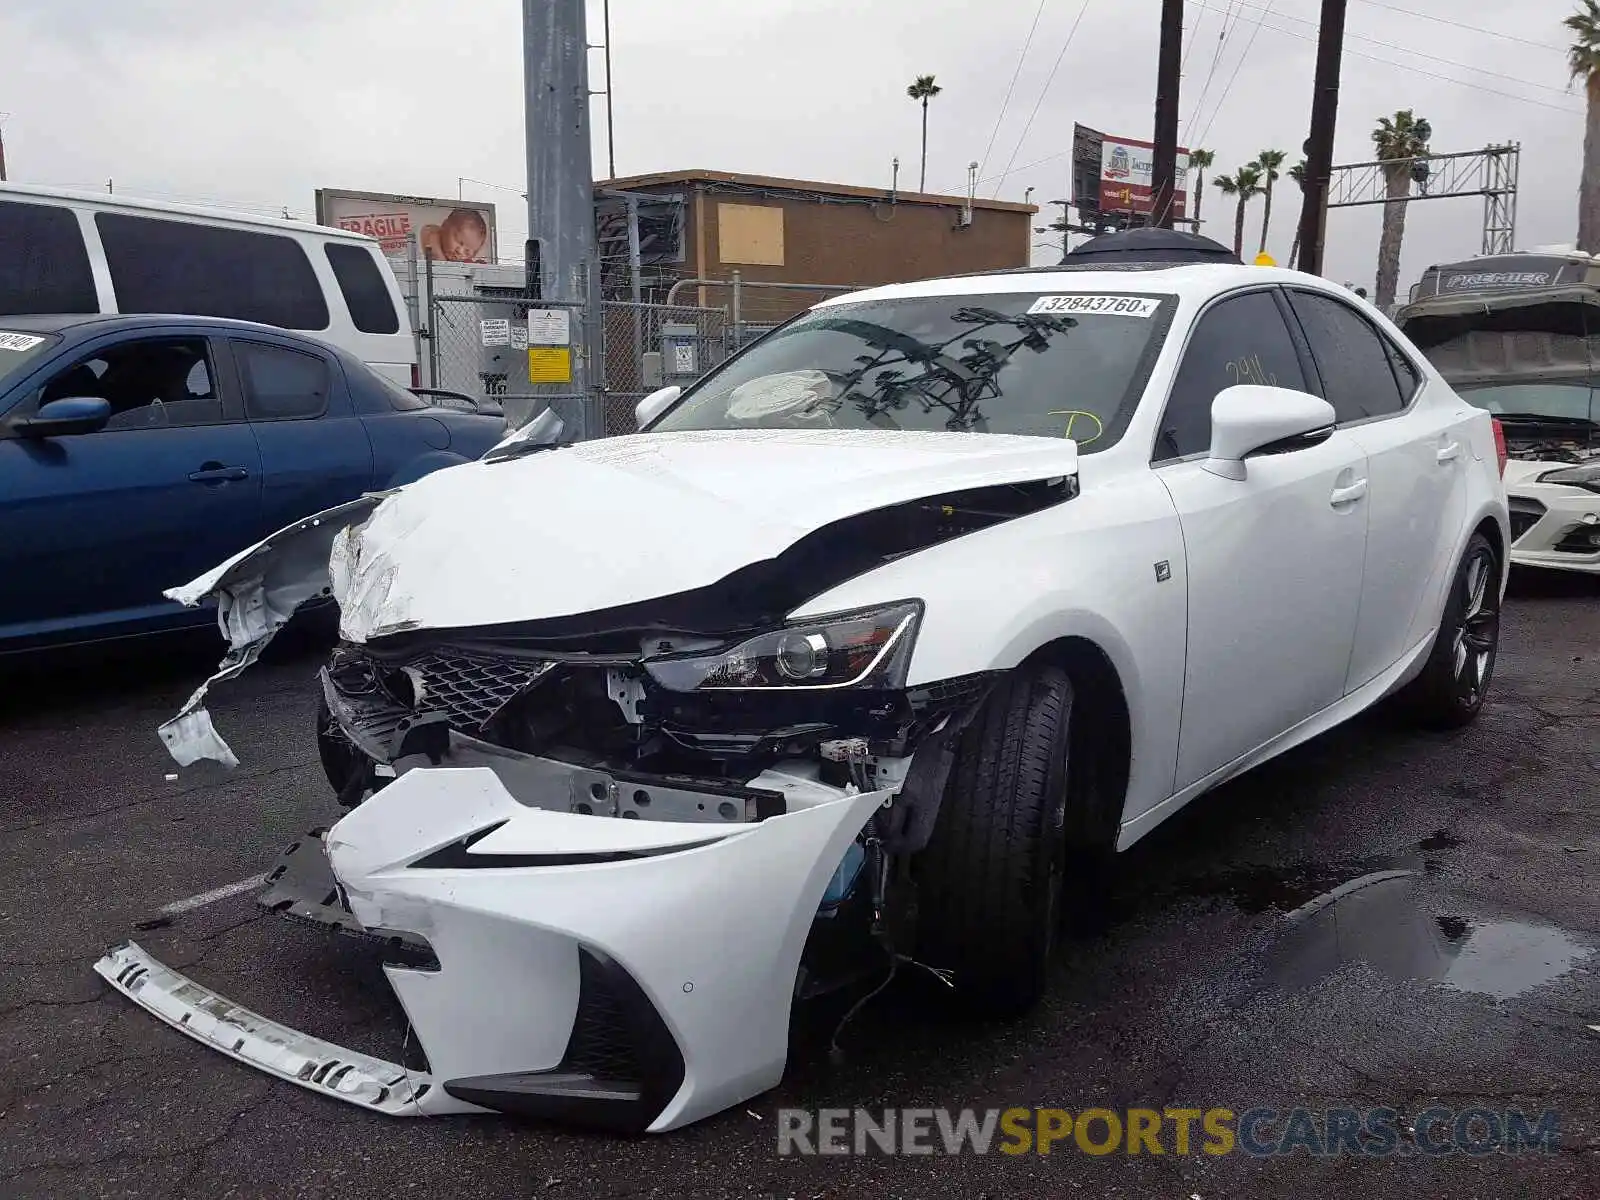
point(1446, 453)
point(218, 474)
point(1348, 495)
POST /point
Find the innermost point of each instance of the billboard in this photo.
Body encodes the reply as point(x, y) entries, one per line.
point(443, 230)
point(1111, 178)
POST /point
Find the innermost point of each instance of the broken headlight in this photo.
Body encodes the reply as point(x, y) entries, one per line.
point(870, 648)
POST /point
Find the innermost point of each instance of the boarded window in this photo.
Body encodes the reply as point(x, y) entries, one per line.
point(749, 235)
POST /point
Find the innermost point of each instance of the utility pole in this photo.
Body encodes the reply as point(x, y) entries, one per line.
point(561, 217)
point(1319, 145)
point(611, 128)
point(1164, 164)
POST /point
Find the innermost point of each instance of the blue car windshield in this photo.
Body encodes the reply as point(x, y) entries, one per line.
point(18, 349)
point(1044, 365)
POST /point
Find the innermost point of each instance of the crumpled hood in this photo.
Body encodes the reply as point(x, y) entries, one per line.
point(605, 523)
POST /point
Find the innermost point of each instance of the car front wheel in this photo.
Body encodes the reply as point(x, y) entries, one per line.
point(991, 880)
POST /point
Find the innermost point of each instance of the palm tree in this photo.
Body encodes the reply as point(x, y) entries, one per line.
point(1200, 162)
point(1583, 60)
point(1270, 163)
point(924, 89)
point(1298, 174)
point(1400, 140)
point(1243, 183)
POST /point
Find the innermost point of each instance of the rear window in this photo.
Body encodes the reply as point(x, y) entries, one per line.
point(362, 284)
point(1053, 365)
point(18, 349)
point(44, 267)
point(160, 266)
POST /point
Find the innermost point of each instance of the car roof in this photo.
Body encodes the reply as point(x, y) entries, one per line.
point(1188, 281)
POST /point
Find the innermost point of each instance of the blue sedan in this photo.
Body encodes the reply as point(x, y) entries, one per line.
point(136, 452)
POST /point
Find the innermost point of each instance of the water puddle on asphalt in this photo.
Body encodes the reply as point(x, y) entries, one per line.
point(1256, 889)
point(1379, 920)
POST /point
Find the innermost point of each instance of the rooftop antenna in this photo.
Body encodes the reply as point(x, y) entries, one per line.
point(972, 187)
point(894, 184)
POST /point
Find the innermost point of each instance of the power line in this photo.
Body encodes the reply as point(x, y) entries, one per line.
point(1510, 37)
point(1415, 70)
point(1194, 36)
point(1027, 42)
point(1043, 92)
point(1223, 99)
point(1216, 57)
point(1466, 83)
point(1449, 62)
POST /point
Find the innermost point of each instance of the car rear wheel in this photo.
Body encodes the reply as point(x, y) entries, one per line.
point(991, 881)
point(1455, 681)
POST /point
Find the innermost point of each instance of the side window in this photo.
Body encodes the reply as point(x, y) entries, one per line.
point(1240, 340)
point(279, 384)
point(1357, 376)
point(154, 383)
point(1405, 372)
point(44, 267)
point(362, 284)
point(160, 266)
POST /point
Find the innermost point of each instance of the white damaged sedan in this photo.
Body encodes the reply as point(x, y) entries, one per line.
point(866, 652)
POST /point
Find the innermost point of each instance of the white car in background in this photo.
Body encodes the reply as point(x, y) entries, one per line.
point(1552, 473)
point(861, 654)
point(1516, 335)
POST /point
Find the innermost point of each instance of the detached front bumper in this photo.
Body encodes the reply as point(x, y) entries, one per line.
point(625, 974)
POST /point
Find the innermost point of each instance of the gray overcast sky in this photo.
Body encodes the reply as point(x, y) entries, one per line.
point(260, 103)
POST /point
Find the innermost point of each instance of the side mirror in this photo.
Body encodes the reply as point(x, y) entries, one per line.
point(1251, 419)
point(58, 418)
point(656, 403)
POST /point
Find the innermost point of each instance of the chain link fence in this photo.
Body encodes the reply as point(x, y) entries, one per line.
point(755, 306)
point(471, 331)
point(649, 346)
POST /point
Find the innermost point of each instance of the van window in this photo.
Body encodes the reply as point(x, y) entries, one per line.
point(182, 267)
point(44, 267)
point(365, 292)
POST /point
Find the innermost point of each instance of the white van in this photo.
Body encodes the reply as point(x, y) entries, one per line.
point(83, 252)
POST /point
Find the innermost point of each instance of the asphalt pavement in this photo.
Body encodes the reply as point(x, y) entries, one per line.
point(1462, 973)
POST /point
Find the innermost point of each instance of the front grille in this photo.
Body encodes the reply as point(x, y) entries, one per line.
point(471, 688)
point(1525, 514)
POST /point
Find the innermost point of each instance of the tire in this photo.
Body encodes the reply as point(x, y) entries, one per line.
point(1451, 689)
point(990, 882)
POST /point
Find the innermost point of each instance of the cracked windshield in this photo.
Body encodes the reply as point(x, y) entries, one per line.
point(1019, 363)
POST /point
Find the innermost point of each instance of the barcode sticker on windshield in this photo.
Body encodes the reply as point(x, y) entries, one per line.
point(18, 341)
point(1111, 306)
